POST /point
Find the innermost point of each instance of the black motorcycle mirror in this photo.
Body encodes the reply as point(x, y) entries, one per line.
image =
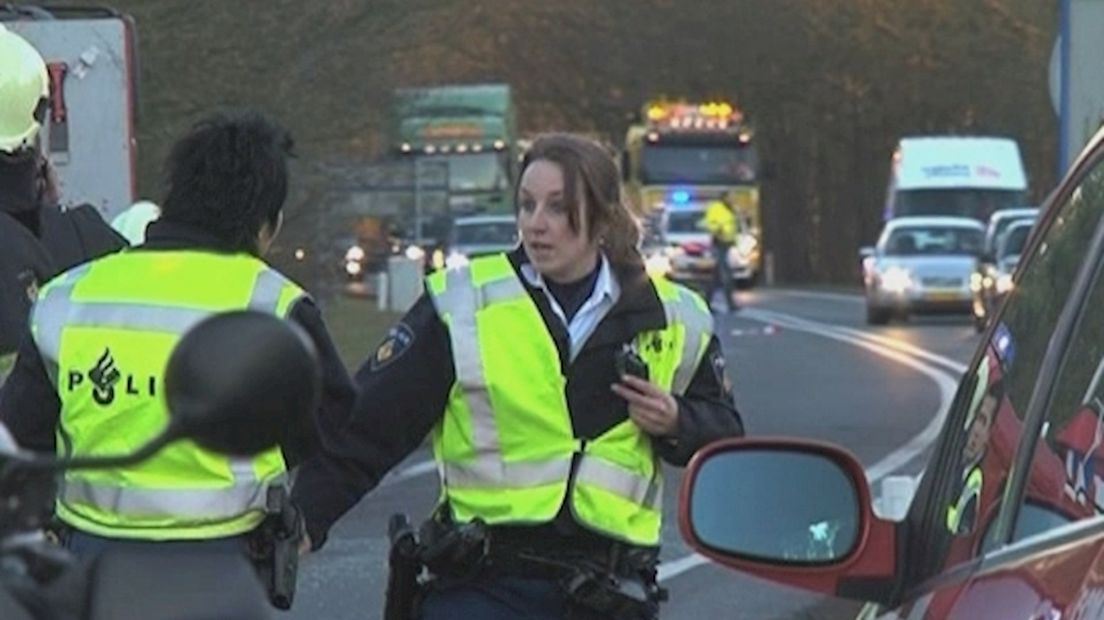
point(234, 383)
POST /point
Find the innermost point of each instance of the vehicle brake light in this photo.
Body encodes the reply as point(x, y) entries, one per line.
point(693, 248)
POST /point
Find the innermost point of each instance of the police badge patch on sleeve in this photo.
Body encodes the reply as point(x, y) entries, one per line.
point(718, 363)
point(398, 340)
point(29, 283)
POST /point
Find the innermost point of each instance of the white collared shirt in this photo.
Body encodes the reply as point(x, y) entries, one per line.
point(605, 294)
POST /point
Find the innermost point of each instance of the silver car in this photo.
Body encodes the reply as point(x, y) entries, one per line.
point(921, 265)
point(994, 280)
point(478, 235)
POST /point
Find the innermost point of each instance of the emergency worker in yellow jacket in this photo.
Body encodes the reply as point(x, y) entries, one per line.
point(720, 220)
point(528, 369)
point(89, 377)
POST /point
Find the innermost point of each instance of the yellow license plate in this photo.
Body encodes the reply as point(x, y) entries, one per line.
point(942, 295)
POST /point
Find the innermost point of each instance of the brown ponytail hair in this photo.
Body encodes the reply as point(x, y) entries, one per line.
point(587, 162)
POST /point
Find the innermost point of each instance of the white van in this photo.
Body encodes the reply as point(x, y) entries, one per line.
point(955, 176)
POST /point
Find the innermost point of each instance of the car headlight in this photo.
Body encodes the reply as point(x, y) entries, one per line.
point(355, 253)
point(746, 246)
point(977, 281)
point(896, 280)
point(736, 258)
point(658, 264)
point(456, 260)
point(1004, 283)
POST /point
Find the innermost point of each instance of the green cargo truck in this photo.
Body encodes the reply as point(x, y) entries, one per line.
point(465, 134)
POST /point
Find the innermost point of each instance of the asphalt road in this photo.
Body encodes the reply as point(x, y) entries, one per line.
point(803, 364)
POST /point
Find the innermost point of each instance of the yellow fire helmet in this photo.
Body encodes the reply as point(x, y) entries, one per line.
point(24, 88)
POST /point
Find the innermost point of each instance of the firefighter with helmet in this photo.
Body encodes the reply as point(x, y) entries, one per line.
point(37, 239)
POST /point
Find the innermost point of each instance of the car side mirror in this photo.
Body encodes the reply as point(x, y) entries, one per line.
point(791, 511)
point(236, 381)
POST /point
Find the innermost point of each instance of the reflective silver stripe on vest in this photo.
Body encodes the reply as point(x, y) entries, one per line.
point(489, 471)
point(461, 305)
point(497, 291)
point(132, 316)
point(200, 504)
point(633, 487)
point(266, 291)
point(462, 300)
point(242, 469)
point(699, 325)
point(55, 311)
point(50, 313)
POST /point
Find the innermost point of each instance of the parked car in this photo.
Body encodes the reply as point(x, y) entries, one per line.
point(479, 235)
point(1007, 519)
point(993, 279)
point(921, 265)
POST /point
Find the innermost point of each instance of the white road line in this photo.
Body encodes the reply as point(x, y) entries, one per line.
point(905, 355)
point(767, 316)
point(854, 298)
point(674, 568)
point(417, 469)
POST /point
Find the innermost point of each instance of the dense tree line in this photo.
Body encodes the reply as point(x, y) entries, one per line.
point(830, 84)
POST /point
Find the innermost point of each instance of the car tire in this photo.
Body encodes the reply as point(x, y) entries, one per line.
point(878, 316)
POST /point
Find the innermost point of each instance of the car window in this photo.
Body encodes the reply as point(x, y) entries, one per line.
point(934, 240)
point(501, 233)
point(685, 221)
point(963, 497)
point(1066, 479)
point(1014, 241)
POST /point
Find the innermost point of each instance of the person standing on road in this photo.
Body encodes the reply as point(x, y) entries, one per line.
point(720, 221)
point(92, 373)
point(556, 378)
point(37, 239)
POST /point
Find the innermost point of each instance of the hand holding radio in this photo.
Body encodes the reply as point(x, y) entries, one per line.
point(651, 407)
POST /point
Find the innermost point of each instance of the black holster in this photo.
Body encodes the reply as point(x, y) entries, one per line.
point(616, 596)
point(274, 547)
point(404, 569)
point(620, 583)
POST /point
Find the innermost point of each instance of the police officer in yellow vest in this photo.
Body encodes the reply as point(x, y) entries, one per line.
point(720, 220)
point(91, 375)
point(550, 450)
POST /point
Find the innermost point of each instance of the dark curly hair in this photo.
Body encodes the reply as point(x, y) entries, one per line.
point(229, 176)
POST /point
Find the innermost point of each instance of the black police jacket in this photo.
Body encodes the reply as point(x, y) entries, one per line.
point(29, 405)
point(404, 387)
point(24, 265)
point(29, 258)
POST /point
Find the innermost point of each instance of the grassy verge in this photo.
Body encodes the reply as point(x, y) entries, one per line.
point(357, 327)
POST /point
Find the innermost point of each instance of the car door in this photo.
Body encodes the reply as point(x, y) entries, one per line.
point(1053, 551)
point(965, 557)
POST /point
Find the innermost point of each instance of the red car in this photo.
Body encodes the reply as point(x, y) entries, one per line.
point(1008, 519)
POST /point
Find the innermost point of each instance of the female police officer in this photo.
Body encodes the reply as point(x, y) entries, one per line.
point(523, 366)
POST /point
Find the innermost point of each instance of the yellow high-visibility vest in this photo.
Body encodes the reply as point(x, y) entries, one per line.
point(105, 330)
point(506, 448)
point(720, 221)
